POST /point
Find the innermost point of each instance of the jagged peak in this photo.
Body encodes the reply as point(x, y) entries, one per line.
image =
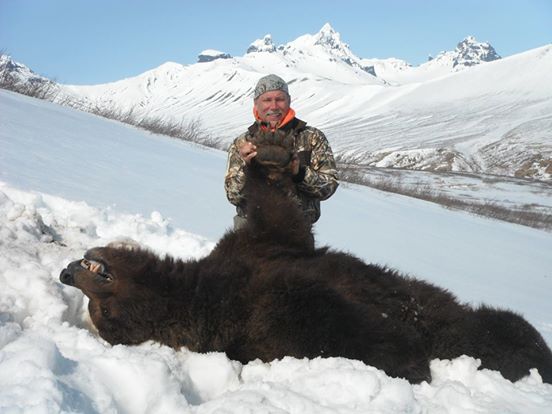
point(22, 72)
point(327, 29)
point(325, 44)
point(7, 63)
point(470, 52)
point(328, 37)
point(262, 45)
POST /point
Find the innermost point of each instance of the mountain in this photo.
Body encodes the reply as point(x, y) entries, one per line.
point(20, 78)
point(18, 71)
point(326, 42)
point(210, 54)
point(466, 110)
point(262, 45)
point(469, 52)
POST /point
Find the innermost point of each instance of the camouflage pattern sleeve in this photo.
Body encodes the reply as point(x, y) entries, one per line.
point(320, 180)
point(234, 179)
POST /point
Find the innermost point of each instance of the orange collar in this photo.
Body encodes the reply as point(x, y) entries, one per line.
point(289, 116)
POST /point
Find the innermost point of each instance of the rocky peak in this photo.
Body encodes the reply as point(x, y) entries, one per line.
point(470, 52)
point(328, 38)
point(18, 71)
point(262, 45)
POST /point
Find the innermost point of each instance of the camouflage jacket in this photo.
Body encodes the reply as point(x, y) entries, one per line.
point(320, 173)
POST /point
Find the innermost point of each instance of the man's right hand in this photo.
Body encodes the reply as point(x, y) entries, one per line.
point(247, 151)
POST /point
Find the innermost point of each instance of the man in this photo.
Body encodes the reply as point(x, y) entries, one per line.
point(313, 169)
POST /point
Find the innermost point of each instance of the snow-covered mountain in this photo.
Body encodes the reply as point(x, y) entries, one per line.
point(469, 52)
point(464, 110)
point(9, 67)
point(15, 75)
point(210, 54)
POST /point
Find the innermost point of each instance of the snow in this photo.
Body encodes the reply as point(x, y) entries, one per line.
point(70, 181)
point(493, 115)
point(262, 45)
point(211, 52)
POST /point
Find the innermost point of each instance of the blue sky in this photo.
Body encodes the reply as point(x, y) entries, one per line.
point(97, 41)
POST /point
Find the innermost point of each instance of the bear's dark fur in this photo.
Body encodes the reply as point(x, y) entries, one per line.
point(266, 292)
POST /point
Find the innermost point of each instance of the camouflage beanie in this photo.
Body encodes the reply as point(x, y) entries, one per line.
point(270, 83)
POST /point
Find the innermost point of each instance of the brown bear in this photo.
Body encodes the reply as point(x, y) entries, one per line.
point(266, 291)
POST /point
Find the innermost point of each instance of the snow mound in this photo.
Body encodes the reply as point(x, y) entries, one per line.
point(52, 361)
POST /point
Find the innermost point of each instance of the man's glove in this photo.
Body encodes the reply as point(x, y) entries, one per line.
point(303, 158)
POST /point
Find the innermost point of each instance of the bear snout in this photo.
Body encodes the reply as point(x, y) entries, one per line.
point(66, 277)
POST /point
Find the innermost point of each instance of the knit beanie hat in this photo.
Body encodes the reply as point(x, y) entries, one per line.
point(270, 83)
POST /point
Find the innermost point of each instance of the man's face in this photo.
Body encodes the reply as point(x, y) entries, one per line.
point(272, 106)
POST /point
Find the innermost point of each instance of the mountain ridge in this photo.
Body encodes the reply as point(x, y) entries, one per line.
point(465, 110)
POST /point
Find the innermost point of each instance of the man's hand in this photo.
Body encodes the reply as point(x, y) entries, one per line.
point(247, 151)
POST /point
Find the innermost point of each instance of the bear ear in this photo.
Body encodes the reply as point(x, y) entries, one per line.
point(125, 243)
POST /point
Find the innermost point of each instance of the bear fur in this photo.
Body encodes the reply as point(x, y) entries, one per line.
point(266, 291)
